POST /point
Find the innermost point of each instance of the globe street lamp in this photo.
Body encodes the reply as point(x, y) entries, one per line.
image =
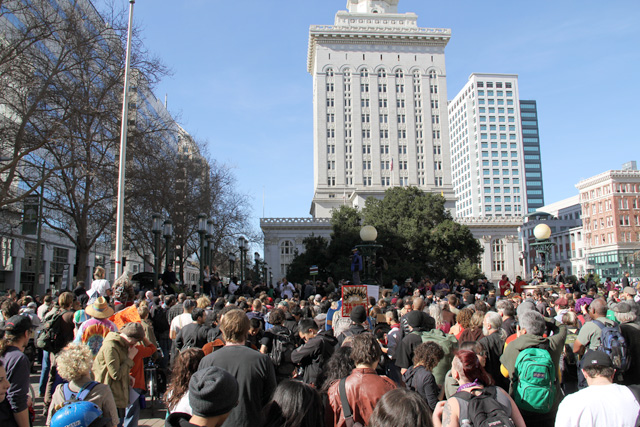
point(543, 245)
point(202, 231)
point(156, 229)
point(369, 234)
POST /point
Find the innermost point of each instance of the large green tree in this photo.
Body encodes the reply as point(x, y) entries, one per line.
point(418, 235)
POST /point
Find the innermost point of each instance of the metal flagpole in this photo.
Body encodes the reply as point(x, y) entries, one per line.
point(123, 151)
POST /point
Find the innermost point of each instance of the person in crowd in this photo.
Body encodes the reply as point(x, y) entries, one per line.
point(473, 380)
point(532, 333)
point(193, 334)
point(175, 307)
point(6, 414)
point(493, 342)
point(630, 329)
point(100, 287)
point(294, 404)
point(169, 278)
point(436, 312)
point(474, 331)
point(358, 317)
point(74, 366)
point(213, 395)
point(419, 377)
point(339, 366)
point(176, 398)
point(401, 407)
point(113, 363)
point(47, 304)
point(65, 336)
point(463, 322)
point(602, 403)
point(253, 370)
point(161, 325)
point(507, 312)
point(17, 331)
point(93, 331)
point(450, 386)
point(589, 336)
point(317, 349)
point(80, 414)
point(146, 349)
point(395, 333)
point(363, 387)
point(282, 337)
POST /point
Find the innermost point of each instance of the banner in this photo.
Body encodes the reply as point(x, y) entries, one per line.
point(30, 214)
point(352, 296)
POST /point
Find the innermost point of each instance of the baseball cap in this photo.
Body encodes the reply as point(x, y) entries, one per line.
point(18, 324)
point(596, 358)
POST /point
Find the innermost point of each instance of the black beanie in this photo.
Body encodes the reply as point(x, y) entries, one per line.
point(212, 392)
point(414, 319)
point(358, 314)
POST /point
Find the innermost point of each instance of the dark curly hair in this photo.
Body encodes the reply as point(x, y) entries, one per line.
point(428, 354)
point(183, 368)
point(464, 317)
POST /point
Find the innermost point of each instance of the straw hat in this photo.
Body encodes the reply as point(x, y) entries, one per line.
point(99, 309)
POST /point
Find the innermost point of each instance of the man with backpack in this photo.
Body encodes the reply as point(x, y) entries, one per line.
point(603, 403)
point(531, 362)
point(317, 349)
point(601, 333)
point(278, 343)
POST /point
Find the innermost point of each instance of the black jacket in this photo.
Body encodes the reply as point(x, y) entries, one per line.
point(313, 355)
point(417, 378)
point(192, 335)
point(353, 330)
point(178, 419)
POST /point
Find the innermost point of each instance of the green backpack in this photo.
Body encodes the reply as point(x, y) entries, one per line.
point(534, 380)
point(449, 344)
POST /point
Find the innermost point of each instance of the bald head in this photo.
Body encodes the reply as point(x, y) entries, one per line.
point(418, 303)
point(598, 307)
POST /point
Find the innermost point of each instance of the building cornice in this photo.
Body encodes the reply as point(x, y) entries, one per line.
point(392, 35)
point(608, 175)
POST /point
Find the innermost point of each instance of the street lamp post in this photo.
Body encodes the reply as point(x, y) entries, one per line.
point(202, 231)
point(210, 243)
point(232, 264)
point(543, 245)
point(265, 277)
point(241, 245)
point(368, 234)
point(156, 229)
point(167, 232)
point(256, 260)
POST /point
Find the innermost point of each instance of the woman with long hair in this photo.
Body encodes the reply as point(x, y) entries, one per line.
point(401, 407)
point(469, 373)
point(295, 404)
point(16, 336)
point(177, 396)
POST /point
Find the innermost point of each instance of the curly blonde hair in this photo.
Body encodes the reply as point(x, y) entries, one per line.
point(74, 362)
point(204, 302)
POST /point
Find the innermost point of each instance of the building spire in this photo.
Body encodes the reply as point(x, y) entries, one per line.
point(372, 6)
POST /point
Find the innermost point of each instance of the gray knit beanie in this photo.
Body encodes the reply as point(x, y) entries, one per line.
point(212, 392)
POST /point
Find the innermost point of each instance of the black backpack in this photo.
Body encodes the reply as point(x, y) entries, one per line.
point(49, 338)
point(159, 320)
point(282, 346)
point(483, 409)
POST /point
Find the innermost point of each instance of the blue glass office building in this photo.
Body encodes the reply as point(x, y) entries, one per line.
point(532, 159)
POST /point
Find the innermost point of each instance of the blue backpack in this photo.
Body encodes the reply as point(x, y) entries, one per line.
point(614, 345)
point(70, 396)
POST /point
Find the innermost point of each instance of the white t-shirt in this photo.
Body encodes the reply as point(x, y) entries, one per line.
point(99, 288)
point(183, 405)
point(287, 290)
point(599, 405)
point(180, 322)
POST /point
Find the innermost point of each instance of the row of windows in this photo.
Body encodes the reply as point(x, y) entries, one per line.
point(382, 73)
point(507, 85)
point(498, 93)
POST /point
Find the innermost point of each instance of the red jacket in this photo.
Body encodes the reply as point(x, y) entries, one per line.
point(137, 371)
point(364, 388)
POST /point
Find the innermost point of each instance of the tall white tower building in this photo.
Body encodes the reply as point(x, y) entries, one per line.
point(380, 106)
point(486, 147)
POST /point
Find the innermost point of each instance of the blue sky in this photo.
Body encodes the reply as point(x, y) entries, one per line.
point(240, 82)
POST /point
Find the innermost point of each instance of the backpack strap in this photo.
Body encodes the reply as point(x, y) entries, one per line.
point(346, 409)
point(599, 324)
point(81, 394)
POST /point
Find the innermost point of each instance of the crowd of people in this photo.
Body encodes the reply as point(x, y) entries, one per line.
point(423, 353)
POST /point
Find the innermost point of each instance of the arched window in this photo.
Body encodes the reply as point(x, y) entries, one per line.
point(399, 74)
point(347, 72)
point(364, 73)
point(329, 72)
point(382, 73)
point(286, 255)
point(432, 74)
point(497, 254)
